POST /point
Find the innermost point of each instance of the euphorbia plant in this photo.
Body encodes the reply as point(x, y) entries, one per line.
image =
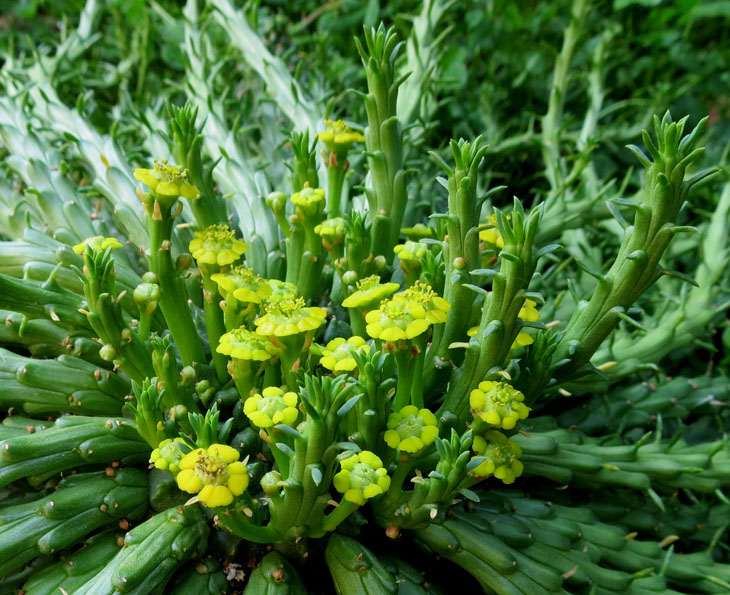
point(352, 390)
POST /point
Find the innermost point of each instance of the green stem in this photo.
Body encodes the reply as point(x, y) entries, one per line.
point(406, 365)
point(357, 322)
point(215, 324)
point(331, 521)
point(173, 298)
point(335, 183)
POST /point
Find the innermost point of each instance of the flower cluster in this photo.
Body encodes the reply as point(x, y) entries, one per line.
point(214, 473)
point(338, 353)
point(167, 180)
point(309, 201)
point(273, 406)
point(289, 316)
point(217, 244)
point(407, 315)
point(501, 457)
point(498, 404)
point(97, 243)
point(362, 477)
point(168, 454)
point(332, 232)
point(369, 292)
point(339, 137)
point(242, 343)
point(410, 253)
point(410, 429)
point(243, 284)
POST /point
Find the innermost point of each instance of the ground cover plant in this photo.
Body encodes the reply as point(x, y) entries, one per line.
point(361, 299)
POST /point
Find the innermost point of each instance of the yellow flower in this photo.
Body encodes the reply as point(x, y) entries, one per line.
point(339, 137)
point(97, 243)
point(498, 404)
point(527, 312)
point(309, 202)
point(332, 232)
point(369, 293)
point(491, 235)
point(289, 317)
point(410, 252)
point(272, 407)
point(338, 354)
point(501, 457)
point(168, 180)
point(217, 244)
point(435, 306)
point(168, 454)
point(243, 284)
point(214, 473)
point(396, 320)
point(242, 343)
point(362, 477)
point(410, 430)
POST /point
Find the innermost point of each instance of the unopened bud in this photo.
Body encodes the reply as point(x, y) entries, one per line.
point(349, 278)
point(146, 296)
point(276, 201)
point(183, 262)
point(459, 263)
point(178, 412)
point(379, 262)
point(107, 352)
point(187, 374)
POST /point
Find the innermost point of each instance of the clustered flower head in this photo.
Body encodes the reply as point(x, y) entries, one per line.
point(97, 243)
point(491, 236)
point(332, 232)
point(168, 454)
point(167, 180)
point(410, 429)
point(217, 244)
point(407, 314)
point(289, 316)
point(396, 320)
point(339, 137)
point(214, 473)
point(498, 404)
point(243, 284)
point(242, 343)
point(309, 201)
point(273, 406)
point(501, 457)
point(338, 353)
point(410, 253)
point(369, 292)
point(280, 290)
point(362, 477)
point(435, 306)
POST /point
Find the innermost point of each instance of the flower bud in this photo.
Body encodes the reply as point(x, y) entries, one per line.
point(108, 353)
point(276, 201)
point(349, 278)
point(146, 296)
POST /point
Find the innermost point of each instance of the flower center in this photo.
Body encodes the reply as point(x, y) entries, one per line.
point(212, 470)
point(362, 475)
